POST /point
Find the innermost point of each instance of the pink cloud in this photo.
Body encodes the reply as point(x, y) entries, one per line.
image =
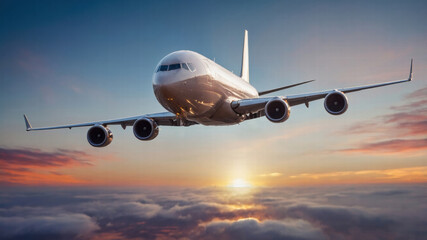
point(390, 146)
point(420, 93)
point(400, 131)
point(36, 167)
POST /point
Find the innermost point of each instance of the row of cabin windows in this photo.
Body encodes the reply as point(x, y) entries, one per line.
point(186, 66)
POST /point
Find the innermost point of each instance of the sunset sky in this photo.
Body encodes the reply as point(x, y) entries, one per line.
point(65, 62)
point(71, 62)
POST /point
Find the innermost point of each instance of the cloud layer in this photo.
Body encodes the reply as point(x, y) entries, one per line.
point(351, 212)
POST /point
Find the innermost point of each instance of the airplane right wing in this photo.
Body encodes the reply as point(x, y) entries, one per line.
point(145, 127)
point(256, 105)
point(162, 119)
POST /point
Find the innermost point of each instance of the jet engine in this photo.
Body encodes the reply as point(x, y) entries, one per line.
point(277, 110)
point(99, 136)
point(336, 103)
point(145, 129)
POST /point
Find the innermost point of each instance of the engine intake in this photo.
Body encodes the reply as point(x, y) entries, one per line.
point(277, 110)
point(336, 103)
point(145, 129)
point(99, 136)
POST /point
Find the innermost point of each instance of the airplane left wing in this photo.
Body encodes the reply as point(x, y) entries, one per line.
point(162, 119)
point(308, 97)
point(256, 105)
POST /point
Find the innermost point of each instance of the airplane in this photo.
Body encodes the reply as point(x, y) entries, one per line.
point(197, 90)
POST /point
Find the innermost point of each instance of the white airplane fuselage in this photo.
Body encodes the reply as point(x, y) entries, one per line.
point(198, 89)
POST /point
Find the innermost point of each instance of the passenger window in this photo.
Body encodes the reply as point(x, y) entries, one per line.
point(174, 66)
point(163, 68)
point(192, 68)
point(184, 65)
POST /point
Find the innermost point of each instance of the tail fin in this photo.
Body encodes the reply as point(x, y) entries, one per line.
point(244, 74)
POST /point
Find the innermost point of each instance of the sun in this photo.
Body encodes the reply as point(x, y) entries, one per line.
point(239, 183)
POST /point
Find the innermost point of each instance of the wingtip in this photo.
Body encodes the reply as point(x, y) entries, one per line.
point(411, 75)
point(27, 123)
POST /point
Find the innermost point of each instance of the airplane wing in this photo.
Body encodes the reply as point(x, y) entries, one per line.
point(256, 105)
point(162, 119)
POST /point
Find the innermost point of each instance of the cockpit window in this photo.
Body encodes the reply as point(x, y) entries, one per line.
point(192, 68)
point(163, 68)
point(174, 66)
point(184, 65)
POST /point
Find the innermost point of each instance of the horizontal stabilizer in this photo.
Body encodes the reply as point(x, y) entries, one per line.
point(281, 88)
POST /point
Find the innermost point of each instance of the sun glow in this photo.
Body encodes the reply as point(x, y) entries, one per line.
point(240, 183)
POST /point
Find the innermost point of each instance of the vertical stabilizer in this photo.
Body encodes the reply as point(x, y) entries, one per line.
point(244, 74)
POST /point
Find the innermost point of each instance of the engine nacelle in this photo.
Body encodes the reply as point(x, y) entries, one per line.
point(99, 136)
point(336, 103)
point(277, 110)
point(145, 129)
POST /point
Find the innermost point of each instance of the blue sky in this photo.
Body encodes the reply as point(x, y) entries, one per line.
point(360, 175)
point(67, 62)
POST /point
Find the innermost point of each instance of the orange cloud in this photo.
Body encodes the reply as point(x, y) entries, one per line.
point(274, 174)
point(35, 167)
point(37, 177)
point(390, 147)
point(399, 175)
